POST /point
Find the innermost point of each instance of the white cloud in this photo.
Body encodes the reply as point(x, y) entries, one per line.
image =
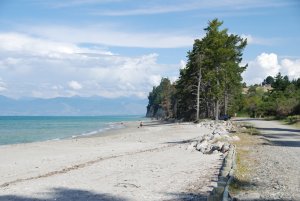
point(267, 64)
point(2, 86)
point(44, 71)
point(161, 7)
point(260, 41)
point(112, 36)
point(20, 43)
point(74, 85)
point(182, 64)
point(291, 67)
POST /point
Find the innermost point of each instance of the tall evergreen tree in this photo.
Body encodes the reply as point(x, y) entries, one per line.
point(213, 68)
point(211, 80)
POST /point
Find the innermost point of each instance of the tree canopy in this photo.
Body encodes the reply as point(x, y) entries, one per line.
point(281, 100)
point(211, 80)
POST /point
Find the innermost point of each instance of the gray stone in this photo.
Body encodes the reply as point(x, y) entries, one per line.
point(215, 152)
point(225, 147)
point(217, 136)
point(208, 137)
point(194, 144)
point(216, 147)
point(201, 145)
point(190, 147)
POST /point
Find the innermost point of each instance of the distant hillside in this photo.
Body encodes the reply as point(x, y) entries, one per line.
point(72, 106)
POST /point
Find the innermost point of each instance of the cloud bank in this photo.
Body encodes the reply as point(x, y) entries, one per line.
point(47, 68)
point(267, 64)
point(44, 68)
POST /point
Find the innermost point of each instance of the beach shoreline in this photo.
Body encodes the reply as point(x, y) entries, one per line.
point(151, 162)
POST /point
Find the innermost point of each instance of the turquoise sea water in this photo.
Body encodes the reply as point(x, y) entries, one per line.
point(24, 129)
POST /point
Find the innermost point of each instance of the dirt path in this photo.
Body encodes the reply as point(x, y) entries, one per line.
point(277, 172)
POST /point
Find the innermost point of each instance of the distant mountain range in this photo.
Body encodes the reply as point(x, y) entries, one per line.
point(72, 106)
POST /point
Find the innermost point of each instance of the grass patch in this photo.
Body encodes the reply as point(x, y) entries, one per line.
point(292, 120)
point(246, 160)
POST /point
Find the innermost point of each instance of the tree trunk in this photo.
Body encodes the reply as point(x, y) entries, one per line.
point(207, 109)
point(217, 110)
point(198, 95)
point(225, 102)
point(217, 98)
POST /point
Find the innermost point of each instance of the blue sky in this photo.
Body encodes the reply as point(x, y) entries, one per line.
point(116, 48)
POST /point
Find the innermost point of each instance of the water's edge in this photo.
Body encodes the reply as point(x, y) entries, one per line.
point(21, 130)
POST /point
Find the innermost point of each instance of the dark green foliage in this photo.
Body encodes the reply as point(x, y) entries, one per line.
point(217, 56)
point(212, 73)
point(281, 101)
point(269, 80)
point(161, 100)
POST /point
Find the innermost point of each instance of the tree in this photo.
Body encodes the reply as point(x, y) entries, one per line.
point(161, 100)
point(269, 80)
point(223, 55)
point(212, 75)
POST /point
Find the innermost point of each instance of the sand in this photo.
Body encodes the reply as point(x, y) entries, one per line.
point(148, 163)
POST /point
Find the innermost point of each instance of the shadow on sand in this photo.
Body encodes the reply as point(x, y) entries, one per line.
point(157, 123)
point(65, 194)
point(286, 137)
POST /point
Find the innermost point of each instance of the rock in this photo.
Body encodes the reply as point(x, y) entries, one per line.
point(225, 147)
point(208, 150)
point(207, 137)
point(204, 147)
point(217, 146)
point(190, 147)
point(201, 145)
point(217, 137)
point(220, 131)
point(199, 125)
point(194, 144)
point(201, 139)
point(235, 138)
point(215, 152)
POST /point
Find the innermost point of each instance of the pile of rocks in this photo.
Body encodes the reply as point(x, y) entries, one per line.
point(217, 140)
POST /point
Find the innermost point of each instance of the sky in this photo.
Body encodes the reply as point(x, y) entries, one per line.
point(121, 48)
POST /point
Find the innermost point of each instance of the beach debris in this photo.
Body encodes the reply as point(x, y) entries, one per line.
point(126, 185)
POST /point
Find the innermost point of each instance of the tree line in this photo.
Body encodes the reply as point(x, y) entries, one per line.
point(211, 83)
point(276, 96)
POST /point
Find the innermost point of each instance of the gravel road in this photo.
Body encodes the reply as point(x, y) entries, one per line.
point(278, 163)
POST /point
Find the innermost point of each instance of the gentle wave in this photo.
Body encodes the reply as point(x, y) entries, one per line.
point(16, 130)
point(110, 126)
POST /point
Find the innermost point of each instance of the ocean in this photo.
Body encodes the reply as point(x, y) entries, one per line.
point(25, 129)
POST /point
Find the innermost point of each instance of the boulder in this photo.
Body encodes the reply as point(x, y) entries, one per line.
point(217, 137)
point(204, 147)
point(194, 144)
point(201, 145)
point(219, 145)
point(201, 139)
point(207, 137)
point(208, 150)
point(215, 152)
point(225, 147)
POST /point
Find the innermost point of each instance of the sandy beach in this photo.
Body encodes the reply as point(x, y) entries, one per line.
point(148, 163)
